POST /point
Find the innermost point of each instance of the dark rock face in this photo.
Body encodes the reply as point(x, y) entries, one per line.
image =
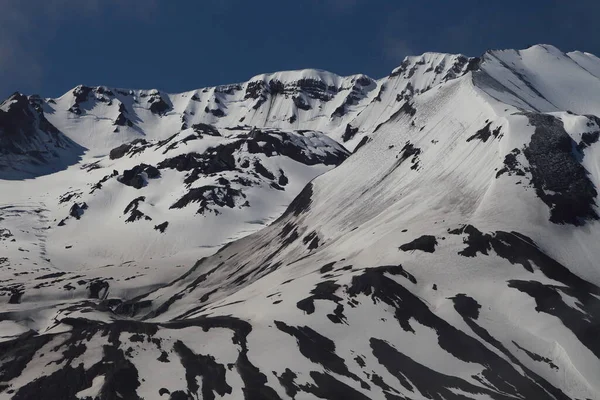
point(138, 175)
point(98, 185)
point(77, 210)
point(536, 357)
point(362, 142)
point(559, 178)
point(406, 109)
point(217, 112)
point(408, 151)
point(425, 243)
point(98, 289)
point(313, 88)
point(282, 180)
point(20, 121)
point(401, 69)
point(466, 306)
point(316, 89)
point(261, 91)
point(240, 154)
point(311, 240)
point(29, 140)
point(128, 148)
point(322, 291)
point(81, 94)
point(587, 139)
point(301, 203)
point(342, 109)
point(134, 213)
point(349, 133)
point(158, 105)
point(206, 129)
point(122, 119)
point(512, 165)
point(214, 160)
point(362, 86)
point(15, 298)
point(162, 227)
point(484, 133)
point(273, 143)
point(208, 197)
point(255, 89)
point(301, 103)
point(228, 89)
point(474, 64)
point(262, 170)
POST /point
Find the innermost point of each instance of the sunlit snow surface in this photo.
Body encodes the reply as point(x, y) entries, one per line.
point(453, 255)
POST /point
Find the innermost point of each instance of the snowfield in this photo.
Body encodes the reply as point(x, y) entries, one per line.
point(428, 235)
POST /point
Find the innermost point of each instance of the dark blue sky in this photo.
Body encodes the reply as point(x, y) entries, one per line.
point(50, 46)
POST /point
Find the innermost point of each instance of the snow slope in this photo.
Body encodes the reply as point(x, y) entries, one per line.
point(451, 256)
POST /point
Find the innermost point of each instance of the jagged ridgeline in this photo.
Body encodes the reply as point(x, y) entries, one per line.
point(428, 235)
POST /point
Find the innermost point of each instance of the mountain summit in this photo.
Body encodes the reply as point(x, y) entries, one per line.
point(428, 235)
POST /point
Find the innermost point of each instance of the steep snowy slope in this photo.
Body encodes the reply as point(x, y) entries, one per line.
point(452, 256)
point(149, 207)
point(29, 144)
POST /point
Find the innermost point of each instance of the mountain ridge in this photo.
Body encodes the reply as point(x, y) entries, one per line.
point(451, 255)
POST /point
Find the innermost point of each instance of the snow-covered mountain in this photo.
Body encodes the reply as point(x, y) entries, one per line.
point(453, 255)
